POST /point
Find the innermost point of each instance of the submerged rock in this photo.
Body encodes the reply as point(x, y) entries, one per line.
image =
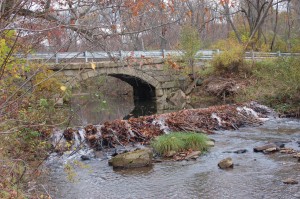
point(194, 155)
point(287, 150)
point(85, 157)
point(226, 163)
point(265, 147)
point(280, 144)
point(133, 159)
point(290, 181)
point(270, 150)
point(240, 151)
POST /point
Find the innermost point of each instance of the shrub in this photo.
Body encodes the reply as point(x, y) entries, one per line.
point(179, 141)
point(229, 60)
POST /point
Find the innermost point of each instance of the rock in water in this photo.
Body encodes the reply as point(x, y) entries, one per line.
point(264, 147)
point(290, 181)
point(133, 159)
point(170, 154)
point(271, 150)
point(193, 155)
point(240, 151)
point(226, 163)
point(210, 143)
point(85, 157)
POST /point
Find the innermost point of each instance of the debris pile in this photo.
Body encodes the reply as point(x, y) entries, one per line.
point(143, 129)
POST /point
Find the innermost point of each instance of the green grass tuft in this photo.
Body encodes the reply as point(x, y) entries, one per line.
point(179, 141)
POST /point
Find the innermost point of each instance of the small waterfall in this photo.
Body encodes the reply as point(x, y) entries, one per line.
point(215, 116)
point(81, 133)
point(162, 125)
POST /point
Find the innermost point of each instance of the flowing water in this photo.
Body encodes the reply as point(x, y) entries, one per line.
point(255, 175)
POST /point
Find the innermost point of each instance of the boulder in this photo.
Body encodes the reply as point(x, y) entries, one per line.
point(226, 163)
point(178, 98)
point(290, 181)
point(265, 147)
point(133, 159)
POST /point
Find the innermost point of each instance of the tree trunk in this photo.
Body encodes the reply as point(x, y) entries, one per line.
point(275, 29)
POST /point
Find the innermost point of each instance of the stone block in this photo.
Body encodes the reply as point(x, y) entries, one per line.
point(168, 84)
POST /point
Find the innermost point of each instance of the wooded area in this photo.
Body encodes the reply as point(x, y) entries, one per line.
point(90, 25)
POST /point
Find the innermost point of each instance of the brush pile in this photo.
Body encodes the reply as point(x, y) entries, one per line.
point(143, 129)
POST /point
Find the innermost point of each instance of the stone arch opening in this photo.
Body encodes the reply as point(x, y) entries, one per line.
point(142, 90)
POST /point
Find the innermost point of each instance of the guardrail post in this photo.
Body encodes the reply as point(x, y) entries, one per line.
point(121, 55)
point(85, 56)
point(218, 51)
point(278, 53)
point(252, 55)
point(56, 58)
point(163, 51)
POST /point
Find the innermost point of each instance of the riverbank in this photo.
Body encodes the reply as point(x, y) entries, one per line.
point(272, 82)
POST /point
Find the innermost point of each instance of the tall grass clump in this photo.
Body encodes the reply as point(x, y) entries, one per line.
point(179, 141)
point(195, 141)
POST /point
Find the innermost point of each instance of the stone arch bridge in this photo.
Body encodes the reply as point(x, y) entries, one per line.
point(150, 78)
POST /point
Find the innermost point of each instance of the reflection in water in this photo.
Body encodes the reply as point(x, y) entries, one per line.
point(141, 108)
point(97, 109)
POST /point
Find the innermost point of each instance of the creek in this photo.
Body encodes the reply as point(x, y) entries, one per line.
point(255, 175)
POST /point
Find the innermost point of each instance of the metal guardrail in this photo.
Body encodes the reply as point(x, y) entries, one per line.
point(121, 55)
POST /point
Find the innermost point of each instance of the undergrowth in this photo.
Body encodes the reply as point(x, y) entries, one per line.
point(275, 83)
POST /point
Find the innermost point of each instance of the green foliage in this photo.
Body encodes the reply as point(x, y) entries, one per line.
point(189, 41)
point(195, 141)
point(166, 143)
point(230, 60)
point(179, 141)
point(190, 44)
point(26, 143)
point(206, 71)
point(277, 84)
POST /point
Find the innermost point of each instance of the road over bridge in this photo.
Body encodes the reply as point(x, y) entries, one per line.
point(146, 71)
